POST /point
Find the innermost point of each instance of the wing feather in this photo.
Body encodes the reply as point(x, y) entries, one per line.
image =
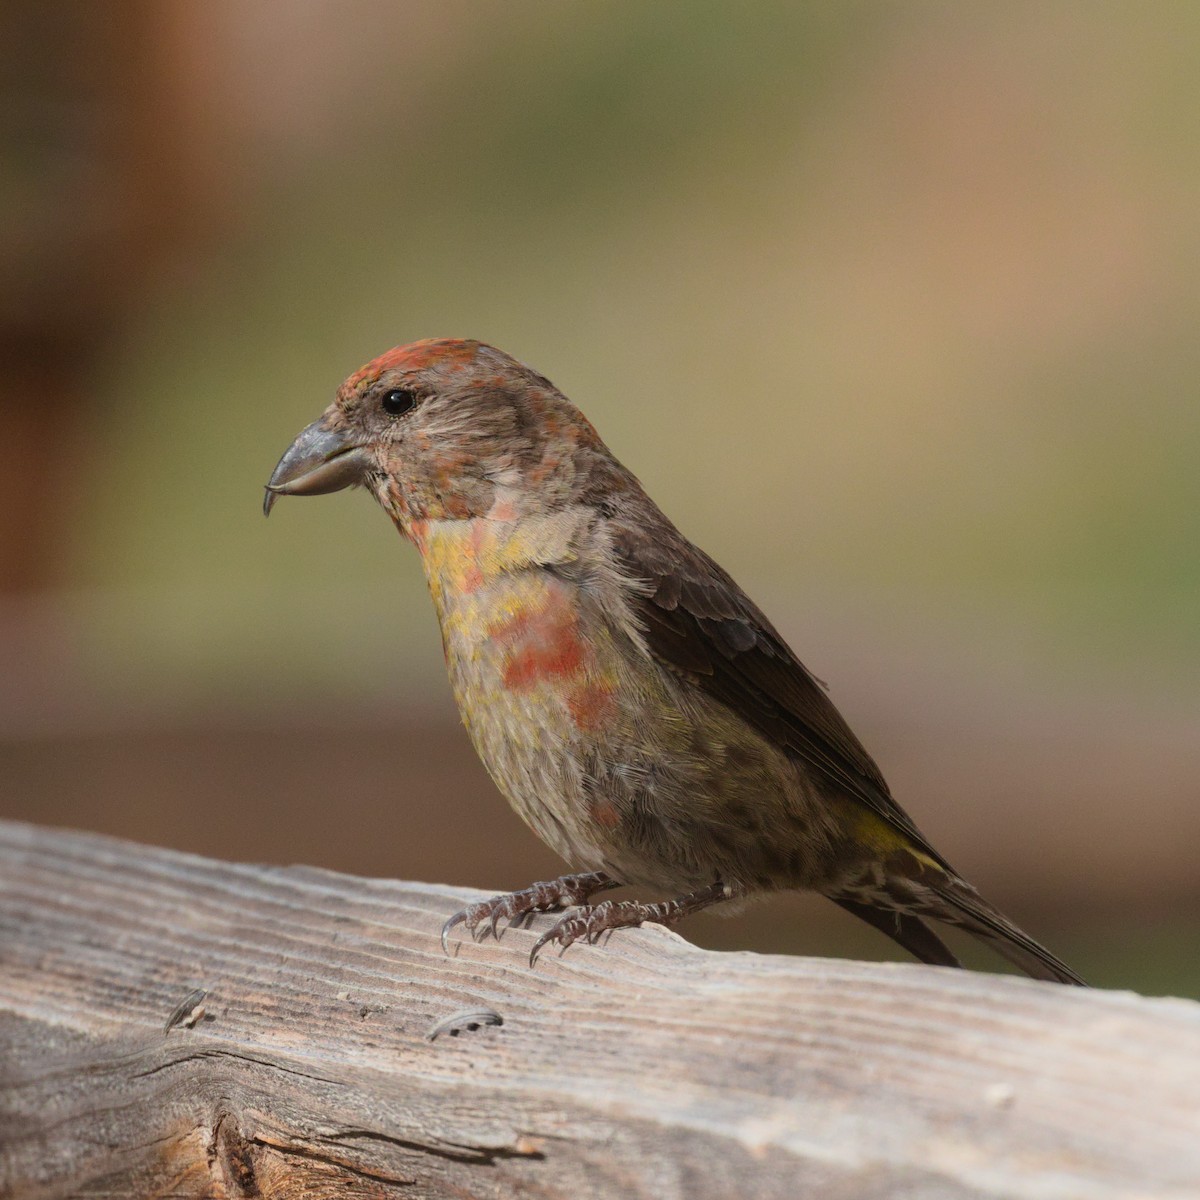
point(698, 622)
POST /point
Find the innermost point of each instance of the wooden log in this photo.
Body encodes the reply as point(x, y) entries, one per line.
point(172, 1026)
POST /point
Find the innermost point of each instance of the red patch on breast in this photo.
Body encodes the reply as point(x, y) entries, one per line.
point(591, 704)
point(541, 645)
point(472, 579)
point(605, 814)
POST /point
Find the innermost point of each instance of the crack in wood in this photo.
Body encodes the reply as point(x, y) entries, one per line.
point(238, 1056)
point(313, 1154)
point(454, 1151)
point(232, 1153)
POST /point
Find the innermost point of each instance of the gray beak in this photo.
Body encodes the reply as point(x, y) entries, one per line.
point(320, 460)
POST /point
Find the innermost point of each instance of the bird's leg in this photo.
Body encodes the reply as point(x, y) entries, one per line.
point(540, 897)
point(593, 920)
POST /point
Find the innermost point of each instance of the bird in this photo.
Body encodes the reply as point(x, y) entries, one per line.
point(636, 708)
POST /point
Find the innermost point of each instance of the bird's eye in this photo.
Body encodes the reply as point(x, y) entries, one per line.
point(398, 401)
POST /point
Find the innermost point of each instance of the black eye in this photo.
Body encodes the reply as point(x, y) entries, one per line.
point(398, 401)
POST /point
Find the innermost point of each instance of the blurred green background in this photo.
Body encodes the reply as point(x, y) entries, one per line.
point(893, 307)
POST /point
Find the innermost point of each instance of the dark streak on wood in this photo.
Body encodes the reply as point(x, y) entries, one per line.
point(643, 1068)
point(235, 1157)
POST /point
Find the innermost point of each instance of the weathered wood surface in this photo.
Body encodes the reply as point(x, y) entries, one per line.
point(641, 1068)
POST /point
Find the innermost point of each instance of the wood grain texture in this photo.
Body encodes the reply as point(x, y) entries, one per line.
point(641, 1068)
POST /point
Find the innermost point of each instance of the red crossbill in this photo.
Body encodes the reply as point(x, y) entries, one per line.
point(628, 698)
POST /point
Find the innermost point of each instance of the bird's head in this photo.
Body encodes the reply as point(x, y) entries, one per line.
point(443, 429)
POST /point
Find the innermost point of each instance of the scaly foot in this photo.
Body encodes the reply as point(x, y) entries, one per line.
point(590, 922)
point(516, 906)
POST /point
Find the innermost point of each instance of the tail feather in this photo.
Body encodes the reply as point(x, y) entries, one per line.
point(900, 904)
point(961, 905)
point(911, 932)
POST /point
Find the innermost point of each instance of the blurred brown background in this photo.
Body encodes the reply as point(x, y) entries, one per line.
point(893, 308)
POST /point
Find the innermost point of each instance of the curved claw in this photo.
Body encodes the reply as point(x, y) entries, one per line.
point(495, 921)
point(519, 908)
point(565, 932)
point(457, 919)
point(537, 947)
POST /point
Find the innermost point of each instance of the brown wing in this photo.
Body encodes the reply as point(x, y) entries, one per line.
point(699, 622)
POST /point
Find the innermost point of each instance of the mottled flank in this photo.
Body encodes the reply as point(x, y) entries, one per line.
point(631, 702)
